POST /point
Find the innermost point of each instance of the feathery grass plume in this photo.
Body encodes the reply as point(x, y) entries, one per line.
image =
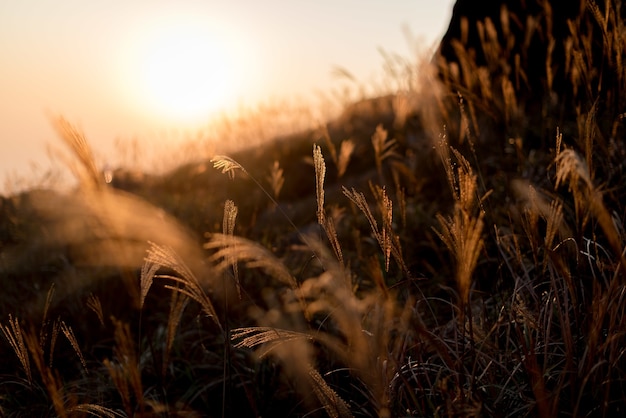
point(328, 224)
point(331, 233)
point(166, 257)
point(178, 303)
point(387, 240)
point(237, 249)
point(370, 331)
point(148, 270)
point(96, 411)
point(230, 216)
point(88, 173)
point(384, 148)
point(554, 222)
point(14, 334)
point(320, 174)
point(269, 337)
point(385, 206)
point(462, 235)
point(228, 229)
point(93, 303)
point(461, 232)
point(341, 159)
point(540, 205)
point(69, 334)
point(51, 380)
point(284, 334)
point(227, 165)
point(358, 198)
point(345, 153)
point(276, 179)
point(334, 405)
point(571, 168)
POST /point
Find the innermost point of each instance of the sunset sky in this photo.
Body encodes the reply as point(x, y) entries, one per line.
point(115, 68)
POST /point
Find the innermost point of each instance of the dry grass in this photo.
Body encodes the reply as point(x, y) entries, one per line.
point(502, 295)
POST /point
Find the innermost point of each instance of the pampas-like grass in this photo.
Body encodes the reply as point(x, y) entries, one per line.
point(14, 334)
point(461, 232)
point(327, 223)
point(536, 274)
point(165, 257)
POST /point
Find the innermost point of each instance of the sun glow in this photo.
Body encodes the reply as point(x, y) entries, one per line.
point(183, 71)
point(186, 73)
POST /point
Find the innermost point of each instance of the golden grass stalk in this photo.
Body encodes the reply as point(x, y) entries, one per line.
point(227, 165)
point(276, 179)
point(14, 335)
point(228, 229)
point(461, 232)
point(540, 205)
point(341, 159)
point(462, 235)
point(387, 239)
point(270, 337)
point(51, 380)
point(364, 329)
point(320, 173)
point(292, 348)
point(387, 235)
point(370, 331)
point(573, 170)
point(232, 249)
point(328, 224)
point(384, 148)
point(167, 258)
point(93, 303)
point(334, 405)
point(146, 277)
point(69, 334)
point(554, 221)
point(95, 410)
point(345, 153)
point(88, 173)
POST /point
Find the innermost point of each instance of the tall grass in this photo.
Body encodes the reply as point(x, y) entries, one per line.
point(459, 273)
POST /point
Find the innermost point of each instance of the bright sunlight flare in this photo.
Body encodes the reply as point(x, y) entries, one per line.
point(183, 71)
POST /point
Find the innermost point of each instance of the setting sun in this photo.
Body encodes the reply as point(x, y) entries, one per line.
point(185, 73)
point(182, 71)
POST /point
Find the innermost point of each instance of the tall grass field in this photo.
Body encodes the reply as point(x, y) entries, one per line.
point(454, 247)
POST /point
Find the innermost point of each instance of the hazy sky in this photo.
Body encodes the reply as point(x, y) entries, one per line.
point(105, 65)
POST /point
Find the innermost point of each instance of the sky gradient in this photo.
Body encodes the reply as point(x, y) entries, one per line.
point(87, 60)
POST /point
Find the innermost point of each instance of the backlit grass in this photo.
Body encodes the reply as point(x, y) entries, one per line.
point(412, 257)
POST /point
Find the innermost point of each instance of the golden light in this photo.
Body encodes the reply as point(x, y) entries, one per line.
point(182, 71)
